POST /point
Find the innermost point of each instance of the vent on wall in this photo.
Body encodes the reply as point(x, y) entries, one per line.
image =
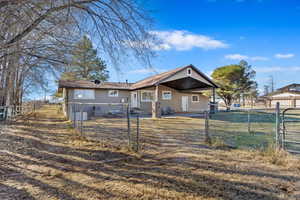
point(97, 82)
point(189, 71)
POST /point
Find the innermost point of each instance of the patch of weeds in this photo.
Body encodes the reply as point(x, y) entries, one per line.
point(69, 125)
point(218, 143)
point(52, 174)
point(275, 155)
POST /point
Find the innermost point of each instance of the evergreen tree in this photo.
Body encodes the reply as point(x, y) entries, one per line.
point(85, 65)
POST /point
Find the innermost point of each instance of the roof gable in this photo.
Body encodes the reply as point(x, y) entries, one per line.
point(167, 76)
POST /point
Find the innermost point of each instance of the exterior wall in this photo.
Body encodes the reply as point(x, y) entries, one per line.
point(286, 100)
point(297, 103)
point(101, 96)
point(176, 101)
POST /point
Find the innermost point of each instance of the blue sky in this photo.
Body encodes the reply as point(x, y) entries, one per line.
point(213, 33)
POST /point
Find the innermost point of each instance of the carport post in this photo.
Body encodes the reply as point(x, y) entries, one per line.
point(213, 101)
point(155, 104)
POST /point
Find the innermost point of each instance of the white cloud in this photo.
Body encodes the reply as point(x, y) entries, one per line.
point(284, 56)
point(277, 69)
point(184, 40)
point(146, 71)
point(236, 57)
point(245, 57)
point(259, 58)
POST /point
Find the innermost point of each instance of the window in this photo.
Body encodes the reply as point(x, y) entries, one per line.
point(166, 95)
point(195, 98)
point(147, 96)
point(189, 72)
point(84, 94)
point(113, 93)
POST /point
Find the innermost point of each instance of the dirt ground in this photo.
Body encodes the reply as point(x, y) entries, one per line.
point(43, 158)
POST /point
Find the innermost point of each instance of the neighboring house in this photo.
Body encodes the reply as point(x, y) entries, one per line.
point(288, 96)
point(178, 90)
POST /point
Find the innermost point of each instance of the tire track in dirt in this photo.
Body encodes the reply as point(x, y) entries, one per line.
point(296, 195)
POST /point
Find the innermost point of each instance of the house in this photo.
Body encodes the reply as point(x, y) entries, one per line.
point(287, 96)
point(178, 90)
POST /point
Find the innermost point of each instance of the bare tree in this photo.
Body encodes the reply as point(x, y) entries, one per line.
point(37, 35)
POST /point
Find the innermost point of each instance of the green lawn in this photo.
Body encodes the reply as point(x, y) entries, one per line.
point(232, 128)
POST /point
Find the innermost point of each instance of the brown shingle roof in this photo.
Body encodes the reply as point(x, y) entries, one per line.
point(147, 82)
point(91, 84)
point(287, 87)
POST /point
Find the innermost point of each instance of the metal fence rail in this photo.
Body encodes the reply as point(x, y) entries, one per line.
point(290, 130)
point(10, 112)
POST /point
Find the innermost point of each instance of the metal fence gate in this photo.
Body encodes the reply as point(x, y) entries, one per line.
point(290, 130)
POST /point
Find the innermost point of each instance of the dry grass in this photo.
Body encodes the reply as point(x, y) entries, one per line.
point(48, 160)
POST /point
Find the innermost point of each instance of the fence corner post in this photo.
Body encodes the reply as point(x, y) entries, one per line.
point(137, 132)
point(249, 121)
point(207, 136)
point(277, 125)
point(81, 119)
point(128, 126)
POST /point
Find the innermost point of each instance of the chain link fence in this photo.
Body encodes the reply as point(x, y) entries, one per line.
point(113, 125)
point(116, 125)
point(8, 113)
point(247, 128)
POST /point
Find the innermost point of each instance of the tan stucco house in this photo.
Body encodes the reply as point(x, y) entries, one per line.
point(288, 96)
point(179, 90)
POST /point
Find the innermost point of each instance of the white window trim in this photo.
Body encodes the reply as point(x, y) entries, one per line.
point(162, 95)
point(113, 95)
point(195, 95)
point(75, 97)
point(142, 100)
point(187, 71)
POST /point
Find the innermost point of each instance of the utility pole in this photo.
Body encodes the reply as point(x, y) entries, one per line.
point(272, 83)
point(266, 89)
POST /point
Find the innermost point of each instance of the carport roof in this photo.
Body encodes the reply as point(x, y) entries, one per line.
point(155, 80)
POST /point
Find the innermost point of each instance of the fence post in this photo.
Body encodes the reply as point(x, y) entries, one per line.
point(137, 132)
point(249, 122)
point(128, 126)
point(5, 113)
point(74, 115)
point(207, 136)
point(277, 125)
point(81, 116)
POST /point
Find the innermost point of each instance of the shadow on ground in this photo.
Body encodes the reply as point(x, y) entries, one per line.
point(44, 160)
